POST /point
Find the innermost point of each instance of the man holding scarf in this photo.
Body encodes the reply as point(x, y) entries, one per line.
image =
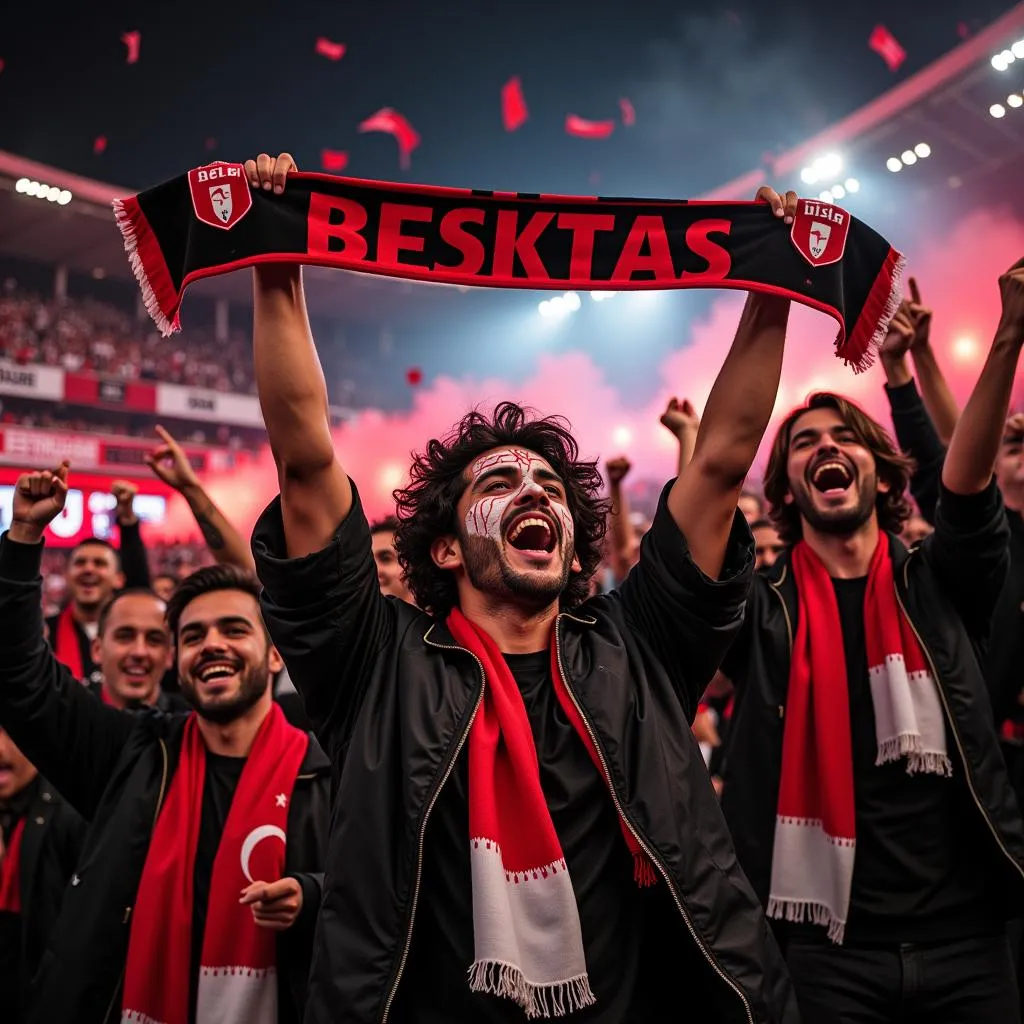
point(865, 790)
point(198, 885)
point(524, 825)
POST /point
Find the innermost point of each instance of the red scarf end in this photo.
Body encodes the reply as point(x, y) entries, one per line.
point(643, 870)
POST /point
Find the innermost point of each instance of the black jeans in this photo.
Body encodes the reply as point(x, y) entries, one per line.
point(971, 981)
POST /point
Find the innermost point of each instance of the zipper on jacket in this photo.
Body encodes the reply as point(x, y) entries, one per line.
point(426, 814)
point(956, 733)
point(654, 858)
point(128, 910)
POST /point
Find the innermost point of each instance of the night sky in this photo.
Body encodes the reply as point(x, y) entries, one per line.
point(713, 92)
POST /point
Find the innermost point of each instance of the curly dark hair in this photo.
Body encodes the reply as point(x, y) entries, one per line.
point(427, 507)
point(891, 465)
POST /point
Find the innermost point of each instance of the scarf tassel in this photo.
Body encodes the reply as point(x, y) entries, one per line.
point(555, 999)
point(802, 911)
point(928, 762)
point(643, 870)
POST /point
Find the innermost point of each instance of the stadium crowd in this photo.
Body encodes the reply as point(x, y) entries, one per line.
point(844, 642)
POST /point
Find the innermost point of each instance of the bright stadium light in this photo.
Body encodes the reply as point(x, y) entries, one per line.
point(1002, 60)
point(601, 296)
point(1014, 99)
point(1018, 49)
point(894, 163)
point(572, 301)
point(997, 110)
point(908, 156)
point(837, 192)
point(852, 185)
point(923, 150)
point(808, 176)
point(825, 196)
point(824, 168)
point(51, 193)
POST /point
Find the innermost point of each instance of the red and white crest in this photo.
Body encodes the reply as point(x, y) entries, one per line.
point(819, 231)
point(220, 194)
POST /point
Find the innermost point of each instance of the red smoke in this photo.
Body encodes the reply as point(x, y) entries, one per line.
point(957, 273)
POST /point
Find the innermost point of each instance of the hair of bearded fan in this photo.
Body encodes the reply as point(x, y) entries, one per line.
point(427, 507)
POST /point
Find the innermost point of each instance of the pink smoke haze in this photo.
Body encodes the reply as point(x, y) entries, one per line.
point(957, 273)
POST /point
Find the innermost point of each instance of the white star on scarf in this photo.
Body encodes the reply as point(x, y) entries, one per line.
point(281, 800)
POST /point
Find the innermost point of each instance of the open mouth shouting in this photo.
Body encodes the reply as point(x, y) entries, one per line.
point(831, 477)
point(215, 673)
point(533, 533)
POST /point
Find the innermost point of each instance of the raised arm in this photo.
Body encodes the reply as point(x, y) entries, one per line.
point(315, 491)
point(703, 500)
point(971, 458)
point(623, 540)
point(132, 550)
point(938, 399)
point(72, 738)
point(680, 419)
point(170, 464)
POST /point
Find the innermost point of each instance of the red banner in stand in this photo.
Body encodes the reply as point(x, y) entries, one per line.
point(110, 391)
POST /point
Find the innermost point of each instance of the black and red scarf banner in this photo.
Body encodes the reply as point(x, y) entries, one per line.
point(210, 221)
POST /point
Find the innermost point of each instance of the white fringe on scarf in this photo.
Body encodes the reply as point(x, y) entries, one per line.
point(554, 1000)
point(131, 246)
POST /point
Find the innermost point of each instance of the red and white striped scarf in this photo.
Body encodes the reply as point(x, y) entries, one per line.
point(815, 834)
point(238, 965)
point(527, 942)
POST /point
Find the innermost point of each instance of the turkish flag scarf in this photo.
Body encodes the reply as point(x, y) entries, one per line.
point(237, 977)
point(527, 943)
point(66, 644)
point(815, 827)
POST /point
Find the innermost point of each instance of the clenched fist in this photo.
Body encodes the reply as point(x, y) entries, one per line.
point(38, 500)
point(617, 470)
point(124, 491)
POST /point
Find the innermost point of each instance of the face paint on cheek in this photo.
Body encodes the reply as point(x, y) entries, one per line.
point(568, 527)
point(485, 516)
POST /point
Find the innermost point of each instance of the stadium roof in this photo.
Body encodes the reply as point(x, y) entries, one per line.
point(943, 110)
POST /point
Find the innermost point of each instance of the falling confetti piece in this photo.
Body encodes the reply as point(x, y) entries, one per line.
point(211, 143)
point(584, 129)
point(414, 375)
point(133, 41)
point(963, 30)
point(2, 64)
point(333, 159)
point(99, 144)
point(513, 104)
point(332, 51)
point(887, 46)
point(628, 112)
point(393, 123)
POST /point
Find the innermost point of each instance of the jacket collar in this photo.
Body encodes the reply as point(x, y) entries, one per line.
point(439, 635)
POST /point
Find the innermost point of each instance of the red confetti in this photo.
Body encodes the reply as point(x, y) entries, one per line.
point(99, 144)
point(333, 159)
point(963, 30)
point(513, 104)
point(887, 46)
point(628, 112)
point(332, 51)
point(414, 375)
point(393, 123)
point(584, 129)
point(211, 143)
point(132, 40)
point(2, 64)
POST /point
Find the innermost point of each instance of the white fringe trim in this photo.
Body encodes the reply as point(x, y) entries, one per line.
point(516, 877)
point(908, 745)
point(252, 972)
point(553, 1000)
point(802, 911)
point(137, 1017)
point(131, 246)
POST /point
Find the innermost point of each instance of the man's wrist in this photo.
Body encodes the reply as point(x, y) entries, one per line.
point(25, 533)
point(127, 518)
point(897, 372)
point(192, 492)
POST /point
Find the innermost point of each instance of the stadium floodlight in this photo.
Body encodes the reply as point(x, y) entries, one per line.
point(908, 156)
point(601, 296)
point(1002, 60)
point(894, 163)
point(837, 192)
point(997, 110)
point(923, 150)
point(826, 195)
point(51, 193)
point(572, 301)
point(824, 168)
point(1014, 99)
point(852, 185)
point(1018, 49)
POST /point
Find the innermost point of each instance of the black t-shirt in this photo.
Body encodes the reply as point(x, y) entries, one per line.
point(435, 987)
point(222, 775)
point(920, 869)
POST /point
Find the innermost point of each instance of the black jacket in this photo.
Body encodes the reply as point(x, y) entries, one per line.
point(114, 768)
point(135, 566)
point(948, 586)
point(168, 703)
point(50, 846)
point(392, 698)
point(1003, 657)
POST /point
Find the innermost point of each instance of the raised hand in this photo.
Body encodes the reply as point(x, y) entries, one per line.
point(1011, 290)
point(269, 172)
point(124, 492)
point(783, 205)
point(617, 470)
point(680, 417)
point(901, 335)
point(38, 499)
point(171, 464)
point(920, 315)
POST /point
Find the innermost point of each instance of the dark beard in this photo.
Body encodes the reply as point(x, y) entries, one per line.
point(842, 522)
point(491, 574)
point(254, 685)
